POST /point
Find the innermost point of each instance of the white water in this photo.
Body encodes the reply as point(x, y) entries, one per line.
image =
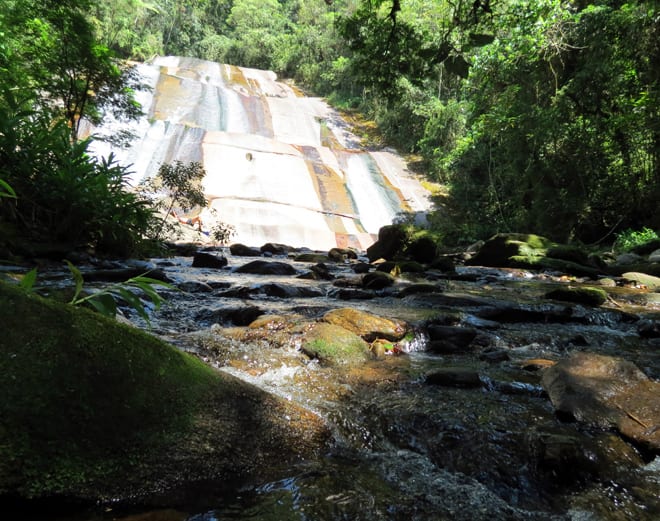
point(280, 167)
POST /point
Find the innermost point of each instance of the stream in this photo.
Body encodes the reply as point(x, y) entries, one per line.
point(405, 448)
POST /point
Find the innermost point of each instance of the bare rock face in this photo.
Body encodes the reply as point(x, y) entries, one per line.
point(607, 392)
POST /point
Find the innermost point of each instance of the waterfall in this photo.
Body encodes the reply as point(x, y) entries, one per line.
point(281, 167)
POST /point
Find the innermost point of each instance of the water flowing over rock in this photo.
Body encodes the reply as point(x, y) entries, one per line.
point(281, 167)
point(606, 391)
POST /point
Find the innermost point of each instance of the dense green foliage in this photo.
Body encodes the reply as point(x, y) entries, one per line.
point(65, 200)
point(538, 116)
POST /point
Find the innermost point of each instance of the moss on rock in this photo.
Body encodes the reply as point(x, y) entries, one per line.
point(580, 295)
point(94, 409)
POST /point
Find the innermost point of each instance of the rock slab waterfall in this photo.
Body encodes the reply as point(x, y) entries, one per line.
point(281, 167)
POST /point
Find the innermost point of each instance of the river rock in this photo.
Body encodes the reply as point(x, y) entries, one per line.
point(334, 345)
point(238, 316)
point(422, 249)
point(341, 254)
point(351, 294)
point(377, 280)
point(649, 281)
point(654, 256)
point(580, 295)
point(274, 289)
point(607, 392)
point(208, 260)
point(391, 240)
point(241, 250)
point(367, 325)
point(275, 248)
point(263, 267)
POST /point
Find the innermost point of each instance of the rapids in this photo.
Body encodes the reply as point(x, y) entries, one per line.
point(281, 167)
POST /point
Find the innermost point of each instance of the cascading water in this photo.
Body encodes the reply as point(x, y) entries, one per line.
point(280, 167)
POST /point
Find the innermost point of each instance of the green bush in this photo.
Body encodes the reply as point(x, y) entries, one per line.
point(65, 198)
point(629, 239)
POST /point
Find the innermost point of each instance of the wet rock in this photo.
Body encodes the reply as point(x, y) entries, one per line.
point(311, 257)
point(459, 336)
point(334, 345)
point(400, 267)
point(607, 392)
point(123, 274)
point(422, 249)
point(654, 256)
point(580, 295)
point(347, 282)
point(237, 316)
point(274, 289)
point(649, 281)
point(341, 254)
point(454, 377)
point(377, 280)
point(237, 292)
point(241, 250)
point(494, 356)
point(351, 294)
point(391, 240)
point(319, 271)
point(262, 267)
point(275, 248)
point(366, 325)
point(444, 264)
point(415, 289)
point(195, 286)
point(360, 267)
point(649, 329)
point(208, 260)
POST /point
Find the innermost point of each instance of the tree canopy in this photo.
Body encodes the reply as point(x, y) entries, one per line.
point(538, 116)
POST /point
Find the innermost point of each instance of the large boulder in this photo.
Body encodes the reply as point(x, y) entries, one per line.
point(93, 409)
point(423, 249)
point(607, 392)
point(529, 251)
point(391, 241)
point(263, 267)
point(500, 248)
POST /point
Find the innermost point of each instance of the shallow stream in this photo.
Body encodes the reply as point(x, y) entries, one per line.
point(405, 449)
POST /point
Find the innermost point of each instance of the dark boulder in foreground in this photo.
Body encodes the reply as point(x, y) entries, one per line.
point(94, 410)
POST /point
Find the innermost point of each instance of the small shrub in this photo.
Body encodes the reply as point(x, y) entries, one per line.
point(629, 239)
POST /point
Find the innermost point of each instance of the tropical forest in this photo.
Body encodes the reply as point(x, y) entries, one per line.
point(309, 260)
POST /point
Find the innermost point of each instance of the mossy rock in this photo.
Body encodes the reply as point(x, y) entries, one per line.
point(569, 253)
point(391, 242)
point(564, 266)
point(335, 346)
point(499, 249)
point(581, 295)
point(650, 268)
point(93, 409)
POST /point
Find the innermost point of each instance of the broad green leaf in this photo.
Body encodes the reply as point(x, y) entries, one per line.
point(104, 304)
